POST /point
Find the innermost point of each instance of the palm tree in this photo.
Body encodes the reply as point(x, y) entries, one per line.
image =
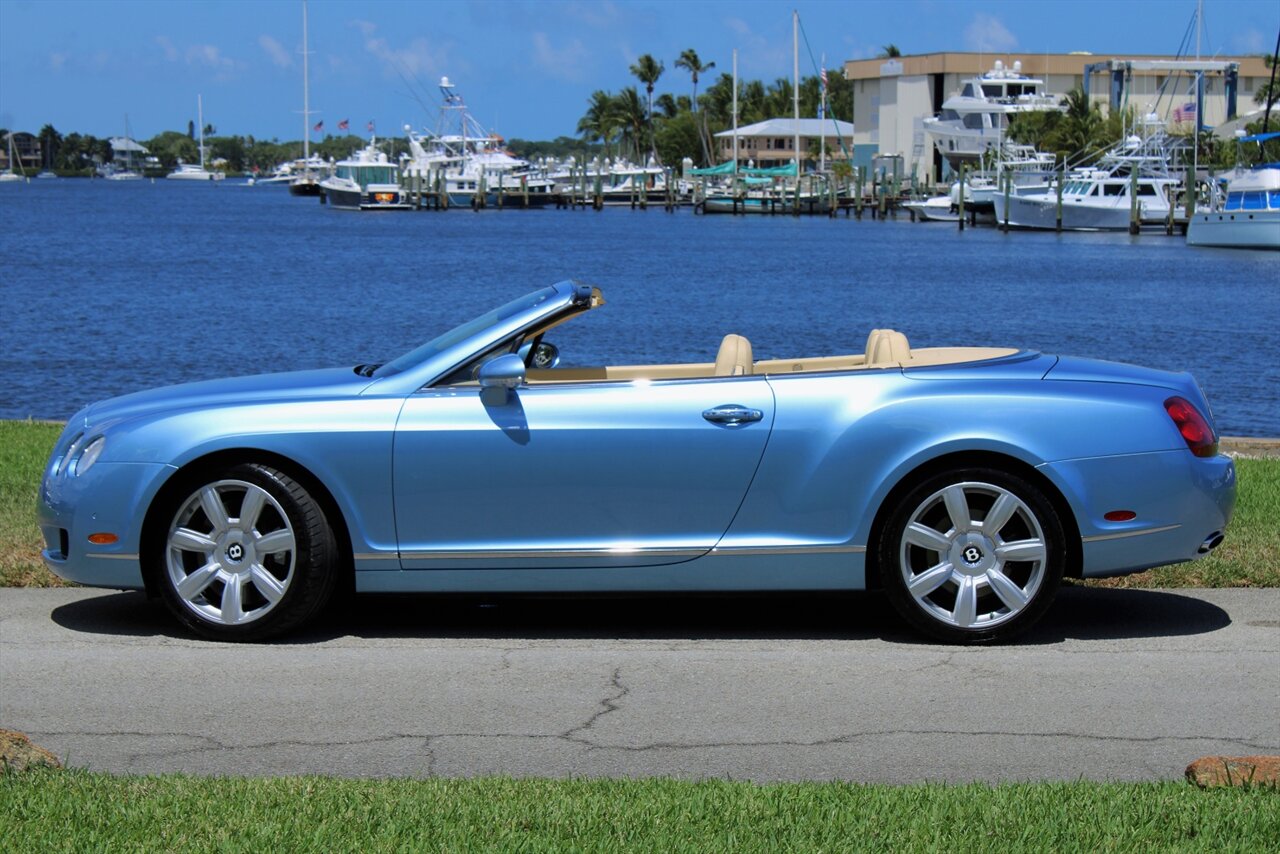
point(889, 51)
point(601, 120)
point(632, 119)
point(647, 70)
point(690, 62)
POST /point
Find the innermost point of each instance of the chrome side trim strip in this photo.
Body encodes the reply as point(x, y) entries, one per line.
point(1126, 534)
point(112, 557)
point(519, 554)
point(516, 554)
point(787, 550)
point(376, 556)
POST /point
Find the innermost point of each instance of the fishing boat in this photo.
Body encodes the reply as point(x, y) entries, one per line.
point(1102, 198)
point(976, 119)
point(1249, 215)
point(472, 165)
point(192, 171)
point(365, 181)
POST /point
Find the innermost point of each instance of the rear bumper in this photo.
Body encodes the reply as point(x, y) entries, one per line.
point(1181, 501)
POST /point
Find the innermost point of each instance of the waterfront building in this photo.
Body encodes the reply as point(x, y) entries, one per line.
point(893, 97)
point(771, 143)
point(26, 151)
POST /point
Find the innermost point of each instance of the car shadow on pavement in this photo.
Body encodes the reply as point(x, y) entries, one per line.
point(1079, 613)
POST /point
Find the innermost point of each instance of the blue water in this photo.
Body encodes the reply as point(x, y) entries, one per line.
point(110, 288)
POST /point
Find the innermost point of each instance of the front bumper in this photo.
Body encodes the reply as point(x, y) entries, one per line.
point(1181, 500)
point(109, 498)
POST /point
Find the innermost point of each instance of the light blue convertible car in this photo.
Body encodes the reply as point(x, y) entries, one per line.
point(964, 482)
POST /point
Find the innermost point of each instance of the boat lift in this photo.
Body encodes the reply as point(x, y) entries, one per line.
point(1121, 70)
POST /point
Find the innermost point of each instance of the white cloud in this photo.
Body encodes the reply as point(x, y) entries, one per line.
point(275, 51)
point(57, 60)
point(986, 34)
point(565, 63)
point(418, 57)
point(166, 45)
point(209, 56)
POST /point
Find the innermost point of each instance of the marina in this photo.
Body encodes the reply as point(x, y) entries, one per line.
point(177, 283)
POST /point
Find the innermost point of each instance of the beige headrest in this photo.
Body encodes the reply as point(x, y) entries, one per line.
point(887, 347)
point(734, 357)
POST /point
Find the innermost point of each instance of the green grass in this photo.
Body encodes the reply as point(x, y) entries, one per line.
point(24, 449)
point(1250, 557)
point(81, 811)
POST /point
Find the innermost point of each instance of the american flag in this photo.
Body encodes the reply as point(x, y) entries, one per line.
point(344, 124)
point(370, 125)
point(319, 126)
point(1185, 113)
point(822, 75)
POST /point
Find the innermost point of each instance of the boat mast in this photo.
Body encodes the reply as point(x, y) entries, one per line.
point(200, 119)
point(306, 103)
point(822, 114)
point(795, 84)
point(735, 111)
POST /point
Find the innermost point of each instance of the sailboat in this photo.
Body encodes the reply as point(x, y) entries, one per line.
point(127, 173)
point(190, 171)
point(11, 177)
point(307, 180)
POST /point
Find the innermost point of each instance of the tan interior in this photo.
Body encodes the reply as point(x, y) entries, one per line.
point(886, 348)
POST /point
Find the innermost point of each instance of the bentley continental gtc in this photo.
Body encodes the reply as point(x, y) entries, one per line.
point(963, 482)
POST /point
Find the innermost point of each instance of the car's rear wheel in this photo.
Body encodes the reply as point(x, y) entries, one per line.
point(246, 554)
point(972, 555)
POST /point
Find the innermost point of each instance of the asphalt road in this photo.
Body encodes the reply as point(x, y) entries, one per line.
point(1114, 685)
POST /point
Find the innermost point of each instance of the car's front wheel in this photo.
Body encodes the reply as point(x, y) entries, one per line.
point(246, 554)
point(972, 555)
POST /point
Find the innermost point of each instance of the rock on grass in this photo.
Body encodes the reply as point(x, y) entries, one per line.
point(1211, 771)
point(17, 753)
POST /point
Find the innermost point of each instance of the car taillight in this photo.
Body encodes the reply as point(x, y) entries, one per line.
point(1192, 425)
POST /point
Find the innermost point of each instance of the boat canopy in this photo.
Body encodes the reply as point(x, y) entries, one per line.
point(776, 172)
point(1261, 137)
point(725, 168)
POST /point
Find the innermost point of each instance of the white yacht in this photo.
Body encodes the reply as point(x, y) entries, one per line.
point(468, 159)
point(1101, 198)
point(976, 118)
point(192, 171)
point(1249, 218)
point(365, 181)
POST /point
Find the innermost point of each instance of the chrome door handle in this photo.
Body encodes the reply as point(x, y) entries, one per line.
point(732, 413)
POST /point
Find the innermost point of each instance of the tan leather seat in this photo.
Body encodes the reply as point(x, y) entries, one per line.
point(887, 347)
point(734, 358)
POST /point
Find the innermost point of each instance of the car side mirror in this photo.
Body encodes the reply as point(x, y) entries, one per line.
point(500, 375)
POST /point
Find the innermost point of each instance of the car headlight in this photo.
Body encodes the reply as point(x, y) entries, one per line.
point(88, 456)
point(65, 459)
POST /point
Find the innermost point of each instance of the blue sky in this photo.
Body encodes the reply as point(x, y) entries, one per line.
point(526, 68)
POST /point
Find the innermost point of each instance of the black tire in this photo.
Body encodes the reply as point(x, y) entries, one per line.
point(198, 553)
point(933, 572)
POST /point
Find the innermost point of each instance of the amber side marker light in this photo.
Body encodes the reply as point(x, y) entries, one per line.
point(1120, 516)
point(103, 539)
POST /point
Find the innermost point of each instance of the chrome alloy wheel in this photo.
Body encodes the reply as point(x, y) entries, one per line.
point(973, 555)
point(230, 552)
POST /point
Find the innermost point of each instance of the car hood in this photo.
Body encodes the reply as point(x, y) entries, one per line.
point(295, 385)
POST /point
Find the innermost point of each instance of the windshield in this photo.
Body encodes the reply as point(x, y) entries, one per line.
point(461, 333)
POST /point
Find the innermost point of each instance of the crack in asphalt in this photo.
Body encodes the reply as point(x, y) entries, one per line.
point(608, 705)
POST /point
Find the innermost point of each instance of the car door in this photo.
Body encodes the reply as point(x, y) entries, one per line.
point(589, 474)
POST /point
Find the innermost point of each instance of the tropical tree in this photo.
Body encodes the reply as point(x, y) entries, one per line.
point(690, 62)
point(647, 70)
point(889, 51)
point(50, 142)
point(633, 120)
point(601, 121)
